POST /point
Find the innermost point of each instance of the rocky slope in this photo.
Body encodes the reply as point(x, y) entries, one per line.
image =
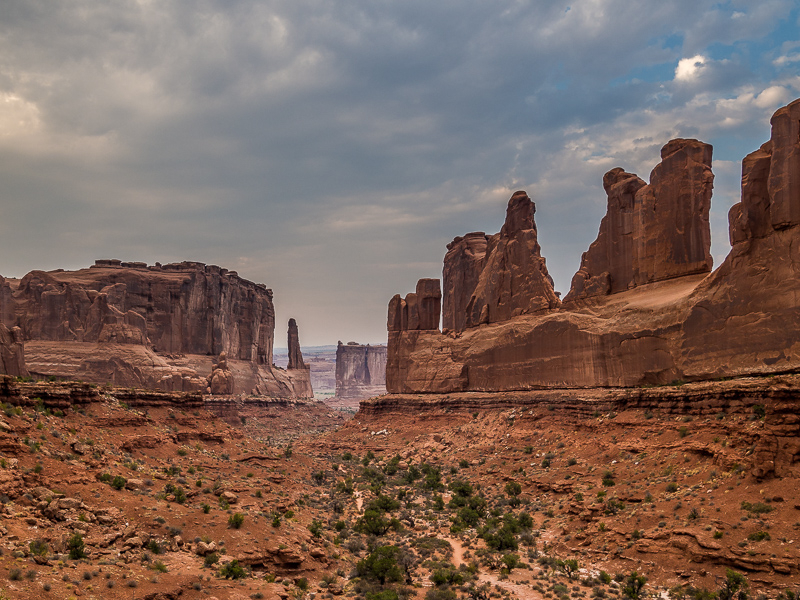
point(159, 326)
point(642, 309)
point(472, 496)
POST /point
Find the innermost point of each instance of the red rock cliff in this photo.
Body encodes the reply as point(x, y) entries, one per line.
point(157, 327)
point(187, 307)
point(655, 315)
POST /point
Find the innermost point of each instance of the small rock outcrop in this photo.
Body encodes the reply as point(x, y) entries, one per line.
point(651, 232)
point(220, 382)
point(360, 371)
point(12, 355)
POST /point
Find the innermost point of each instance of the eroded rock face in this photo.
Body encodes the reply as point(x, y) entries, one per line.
point(177, 308)
point(656, 316)
point(418, 311)
point(770, 182)
point(514, 281)
point(651, 232)
point(297, 372)
point(12, 356)
point(463, 264)
point(155, 327)
point(360, 371)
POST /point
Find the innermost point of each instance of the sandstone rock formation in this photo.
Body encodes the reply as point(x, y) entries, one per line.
point(417, 311)
point(656, 315)
point(12, 357)
point(221, 379)
point(651, 232)
point(295, 355)
point(297, 370)
point(186, 307)
point(157, 327)
point(360, 371)
point(463, 264)
point(514, 281)
point(750, 303)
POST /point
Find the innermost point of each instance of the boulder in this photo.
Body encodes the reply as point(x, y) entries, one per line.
point(221, 381)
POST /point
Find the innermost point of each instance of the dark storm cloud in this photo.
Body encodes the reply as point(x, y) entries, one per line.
point(331, 150)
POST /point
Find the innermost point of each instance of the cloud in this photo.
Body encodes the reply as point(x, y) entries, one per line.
point(689, 69)
point(334, 145)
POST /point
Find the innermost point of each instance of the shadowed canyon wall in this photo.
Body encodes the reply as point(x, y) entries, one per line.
point(360, 371)
point(643, 308)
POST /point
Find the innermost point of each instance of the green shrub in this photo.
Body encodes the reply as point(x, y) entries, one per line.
point(38, 547)
point(211, 559)
point(315, 528)
point(236, 520)
point(757, 508)
point(159, 566)
point(381, 565)
point(118, 482)
point(232, 570)
point(76, 547)
point(633, 588)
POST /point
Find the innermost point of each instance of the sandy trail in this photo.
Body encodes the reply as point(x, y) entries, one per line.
point(521, 591)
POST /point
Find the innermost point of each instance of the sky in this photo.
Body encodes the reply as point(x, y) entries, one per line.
point(331, 150)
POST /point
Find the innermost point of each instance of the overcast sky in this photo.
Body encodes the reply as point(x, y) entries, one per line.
point(332, 149)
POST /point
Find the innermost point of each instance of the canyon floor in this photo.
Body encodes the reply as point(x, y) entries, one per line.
point(412, 497)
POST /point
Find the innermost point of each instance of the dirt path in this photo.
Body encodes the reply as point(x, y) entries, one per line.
point(520, 590)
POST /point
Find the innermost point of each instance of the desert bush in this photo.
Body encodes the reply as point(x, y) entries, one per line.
point(232, 570)
point(76, 547)
point(235, 520)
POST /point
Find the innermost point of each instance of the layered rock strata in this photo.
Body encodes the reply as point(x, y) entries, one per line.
point(651, 232)
point(156, 327)
point(360, 371)
point(643, 309)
